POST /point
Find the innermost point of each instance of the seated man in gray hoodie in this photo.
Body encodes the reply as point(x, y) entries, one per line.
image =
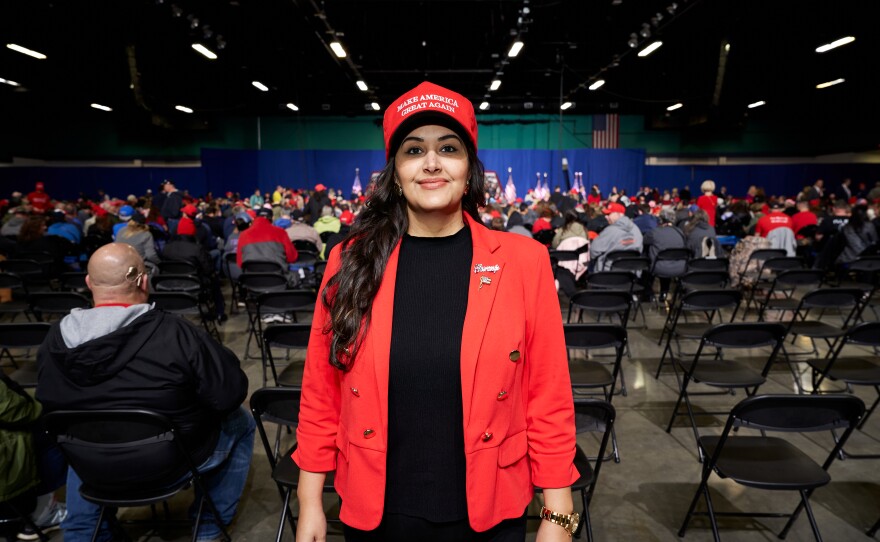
point(125, 354)
point(621, 234)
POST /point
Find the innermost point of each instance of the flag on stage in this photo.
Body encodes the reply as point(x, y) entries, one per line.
point(510, 189)
point(606, 131)
point(356, 185)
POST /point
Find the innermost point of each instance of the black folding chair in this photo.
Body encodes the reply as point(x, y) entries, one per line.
point(262, 266)
point(709, 264)
point(31, 271)
point(283, 306)
point(587, 374)
point(590, 416)
point(773, 463)
point(250, 286)
point(99, 444)
point(185, 305)
point(229, 265)
point(781, 292)
point(178, 267)
point(47, 304)
point(28, 336)
point(852, 370)
point(75, 281)
point(303, 245)
point(758, 257)
point(281, 406)
point(706, 302)
point(769, 269)
point(20, 294)
point(288, 337)
point(725, 374)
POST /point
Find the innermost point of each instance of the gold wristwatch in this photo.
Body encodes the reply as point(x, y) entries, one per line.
point(569, 522)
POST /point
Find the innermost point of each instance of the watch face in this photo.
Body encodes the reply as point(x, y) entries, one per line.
point(575, 521)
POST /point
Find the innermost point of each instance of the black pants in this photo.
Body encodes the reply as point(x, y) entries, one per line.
point(398, 527)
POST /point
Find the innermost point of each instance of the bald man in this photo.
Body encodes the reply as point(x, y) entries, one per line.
point(123, 353)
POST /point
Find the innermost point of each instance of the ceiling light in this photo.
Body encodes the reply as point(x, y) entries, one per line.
point(484, 106)
point(292, 107)
point(26, 51)
point(375, 106)
point(515, 48)
point(759, 103)
point(496, 84)
point(633, 40)
point(9, 82)
point(565, 106)
point(337, 49)
point(101, 107)
point(830, 83)
point(673, 107)
point(650, 49)
point(645, 32)
point(183, 108)
point(597, 84)
point(726, 47)
point(834, 44)
point(260, 86)
point(361, 85)
point(205, 51)
point(221, 43)
point(671, 8)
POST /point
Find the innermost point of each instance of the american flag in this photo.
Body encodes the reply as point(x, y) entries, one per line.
point(606, 131)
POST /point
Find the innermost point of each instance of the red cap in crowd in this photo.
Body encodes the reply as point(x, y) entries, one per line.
point(429, 98)
point(186, 227)
point(320, 187)
point(190, 210)
point(614, 208)
point(39, 185)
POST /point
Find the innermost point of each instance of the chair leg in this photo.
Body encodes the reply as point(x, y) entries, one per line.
point(693, 506)
point(805, 504)
point(285, 513)
point(588, 525)
point(198, 519)
point(98, 524)
point(873, 530)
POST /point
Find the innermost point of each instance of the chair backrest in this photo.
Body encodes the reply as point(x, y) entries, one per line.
point(178, 267)
point(615, 280)
point(287, 335)
point(590, 336)
point(865, 334)
point(798, 413)
point(763, 254)
point(711, 300)
point(23, 335)
point(26, 269)
point(275, 405)
point(120, 450)
point(709, 264)
point(705, 279)
point(262, 266)
point(74, 280)
point(602, 301)
point(683, 254)
point(306, 257)
point(303, 245)
point(777, 265)
point(176, 283)
point(793, 278)
point(829, 298)
point(745, 335)
point(285, 301)
point(631, 265)
point(613, 256)
point(175, 302)
point(565, 255)
point(257, 283)
point(12, 281)
point(870, 264)
point(57, 302)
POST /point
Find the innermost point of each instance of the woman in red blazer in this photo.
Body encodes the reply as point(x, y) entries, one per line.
point(437, 366)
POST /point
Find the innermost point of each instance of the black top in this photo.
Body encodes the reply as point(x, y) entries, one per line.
point(426, 463)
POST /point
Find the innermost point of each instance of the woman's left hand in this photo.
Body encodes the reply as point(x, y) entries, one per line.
point(550, 532)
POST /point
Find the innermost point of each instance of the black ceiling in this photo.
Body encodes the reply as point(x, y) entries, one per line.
point(136, 57)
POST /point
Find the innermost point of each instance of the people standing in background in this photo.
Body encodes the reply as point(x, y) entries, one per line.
point(172, 202)
point(844, 192)
point(708, 201)
point(39, 200)
point(256, 200)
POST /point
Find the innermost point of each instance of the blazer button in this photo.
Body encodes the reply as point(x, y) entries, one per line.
point(502, 396)
point(369, 433)
point(514, 355)
point(355, 392)
point(487, 436)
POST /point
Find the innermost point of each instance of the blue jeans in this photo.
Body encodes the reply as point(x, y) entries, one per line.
point(225, 473)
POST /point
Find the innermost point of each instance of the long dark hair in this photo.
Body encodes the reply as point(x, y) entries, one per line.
point(364, 255)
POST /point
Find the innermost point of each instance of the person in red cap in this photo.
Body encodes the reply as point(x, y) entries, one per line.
point(317, 201)
point(470, 398)
point(772, 220)
point(620, 234)
point(39, 199)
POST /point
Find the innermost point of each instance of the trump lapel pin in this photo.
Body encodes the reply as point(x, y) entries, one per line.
point(484, 280)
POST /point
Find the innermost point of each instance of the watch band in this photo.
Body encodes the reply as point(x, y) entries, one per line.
point(569, 522)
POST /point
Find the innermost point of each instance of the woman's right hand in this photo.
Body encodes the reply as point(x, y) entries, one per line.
point(312, 524)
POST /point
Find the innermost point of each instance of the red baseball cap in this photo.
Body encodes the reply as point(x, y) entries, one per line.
point(319, 187)
point(190, 210)
point(614, 208)
point(429, 98)
point(39, 185)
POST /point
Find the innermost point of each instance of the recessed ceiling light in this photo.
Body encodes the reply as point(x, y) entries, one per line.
point(9, 82)
point(566, 105)
point(292, 107)
point(363, 86)
point(830, 83)
point(101, 107)
point(650, 49)
point(515, 48)
point(204, 51)
point(496, 84)
point(484, 106)
point(834, 44)
point(375, 106)
point(597, 84)
point(338, 49)
point(26, 51)
point(183, 108)
point(759, 103)
point(260, 86)
point(673, 107)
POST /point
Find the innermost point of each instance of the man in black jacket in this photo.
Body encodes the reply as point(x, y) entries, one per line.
point(125, 354)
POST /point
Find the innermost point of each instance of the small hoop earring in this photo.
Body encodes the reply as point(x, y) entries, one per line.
point(398, 189)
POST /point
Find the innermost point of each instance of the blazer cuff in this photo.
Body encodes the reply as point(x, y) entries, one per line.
point(315, 460)
point(553, 470)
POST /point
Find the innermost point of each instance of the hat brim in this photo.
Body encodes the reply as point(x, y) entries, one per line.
point(423, 119)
